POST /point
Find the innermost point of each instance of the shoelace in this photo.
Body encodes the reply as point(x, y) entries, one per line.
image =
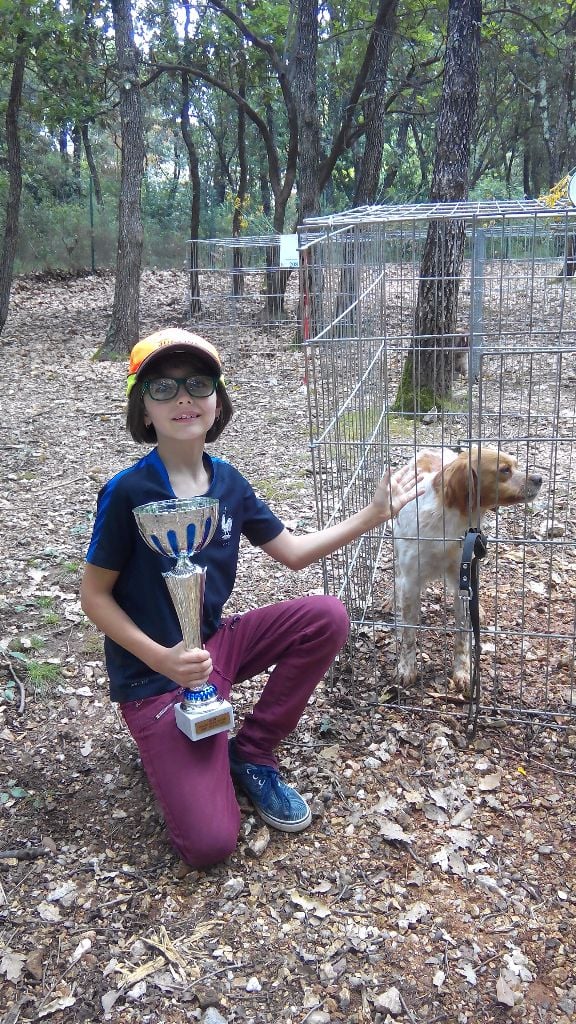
point(271, 781)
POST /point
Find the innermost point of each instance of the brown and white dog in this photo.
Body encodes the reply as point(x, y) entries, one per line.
point(428, 533)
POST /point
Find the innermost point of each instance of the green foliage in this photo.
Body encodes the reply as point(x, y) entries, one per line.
point(411, 400)
point(43, 675)
point(491, 186)
point(13, 792)
point(38, 642)
point(359, 425)
point(7, 690)
point(525, 113)
point(255, 221)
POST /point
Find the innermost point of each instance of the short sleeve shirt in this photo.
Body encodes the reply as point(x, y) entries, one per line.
point(140, 589)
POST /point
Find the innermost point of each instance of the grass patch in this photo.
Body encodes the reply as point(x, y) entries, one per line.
point(280, 490)
point(43, 675)
point(401, 427)
point(93, 645)
point(37, 642)
point(51, 618)
point(358, 424)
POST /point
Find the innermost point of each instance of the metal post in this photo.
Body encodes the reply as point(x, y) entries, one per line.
point(91, 206)
point(477, 325)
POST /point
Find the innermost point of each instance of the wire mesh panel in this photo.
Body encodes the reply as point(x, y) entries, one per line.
point(243, 284)
point(507, 382)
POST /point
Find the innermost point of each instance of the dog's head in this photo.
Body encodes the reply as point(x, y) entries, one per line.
point(487, 479)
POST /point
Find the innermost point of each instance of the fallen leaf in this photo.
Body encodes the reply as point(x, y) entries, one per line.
point(391, 831)
point(504, 993)
point(11, 965)
point(48, 911)
point(490, 782)
point(61, 1002)
point(83, 946)
point(468, 972)
point(314, 907)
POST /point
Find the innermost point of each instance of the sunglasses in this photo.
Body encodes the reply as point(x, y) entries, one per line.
point(162, 389)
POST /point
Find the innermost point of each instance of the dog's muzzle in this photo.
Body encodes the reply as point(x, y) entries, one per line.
point(533, 485)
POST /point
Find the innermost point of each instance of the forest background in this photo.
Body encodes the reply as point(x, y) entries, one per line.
point(239, 101)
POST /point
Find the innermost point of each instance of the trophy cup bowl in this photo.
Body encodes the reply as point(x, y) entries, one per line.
point(179, 528)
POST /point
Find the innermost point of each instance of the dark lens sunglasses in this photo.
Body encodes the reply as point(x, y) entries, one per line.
point(162, 389)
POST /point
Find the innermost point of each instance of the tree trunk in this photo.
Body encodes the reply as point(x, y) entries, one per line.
point(194, 168)
point(123, 330)
point(194, 171)
point(368, 179)
point(306, 101)
point(91, 164)
point(427, 374)
point(395, 164)
point(375, 109)
point(14, 161)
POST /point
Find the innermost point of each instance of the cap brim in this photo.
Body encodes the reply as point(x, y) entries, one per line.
point(178, 348)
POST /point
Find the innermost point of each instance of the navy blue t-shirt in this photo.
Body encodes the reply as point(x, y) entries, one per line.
point(140, 590)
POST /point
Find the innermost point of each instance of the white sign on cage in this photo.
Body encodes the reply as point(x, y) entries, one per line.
point(289, 251)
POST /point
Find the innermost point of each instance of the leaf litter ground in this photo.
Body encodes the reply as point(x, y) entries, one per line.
point(435, 883)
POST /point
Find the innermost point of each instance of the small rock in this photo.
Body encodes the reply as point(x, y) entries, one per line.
point(389, 1002)
point(137, 991)
point(213, 1016)
point(233, 887)
point(207, 997)
point(551, 529)
point(431, 416)
point(34, 965)
point(259, 843)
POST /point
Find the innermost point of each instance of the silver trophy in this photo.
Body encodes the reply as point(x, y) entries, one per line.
point(179, 528)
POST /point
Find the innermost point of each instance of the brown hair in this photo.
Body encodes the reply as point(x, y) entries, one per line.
point(146, 434)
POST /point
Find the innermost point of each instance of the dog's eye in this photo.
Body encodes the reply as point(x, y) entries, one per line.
point(505, 470)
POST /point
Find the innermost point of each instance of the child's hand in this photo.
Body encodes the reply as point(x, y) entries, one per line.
point(186, 667)
point(396, 488)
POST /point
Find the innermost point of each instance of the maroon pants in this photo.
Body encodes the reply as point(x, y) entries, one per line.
point(191, 779)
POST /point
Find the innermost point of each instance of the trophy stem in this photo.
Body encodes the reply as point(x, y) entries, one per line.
point(186, 584)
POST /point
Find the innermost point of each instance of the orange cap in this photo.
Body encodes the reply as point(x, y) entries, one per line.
point(168, 341)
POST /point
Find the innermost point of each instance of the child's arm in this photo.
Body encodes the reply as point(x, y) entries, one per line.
point(394, 491)
point(186, 668)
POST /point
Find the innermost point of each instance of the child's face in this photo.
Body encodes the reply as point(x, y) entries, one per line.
point(183, 417)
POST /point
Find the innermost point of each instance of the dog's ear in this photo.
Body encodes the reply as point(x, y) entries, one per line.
point(461, 486)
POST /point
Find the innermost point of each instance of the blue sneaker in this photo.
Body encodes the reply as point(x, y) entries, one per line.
point(278, 805)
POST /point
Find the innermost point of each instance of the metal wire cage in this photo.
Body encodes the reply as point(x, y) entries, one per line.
point(509, 351)
point(241, 285)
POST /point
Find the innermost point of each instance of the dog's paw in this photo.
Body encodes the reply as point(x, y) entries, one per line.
point(407, 673)
point(461, 680)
